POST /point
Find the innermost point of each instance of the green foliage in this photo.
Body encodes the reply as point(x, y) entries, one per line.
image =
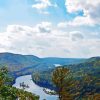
point(62, 79)
point(85, 88)
point(7, 92)
point(4, 79)
point(12, 93)
point(82, 84)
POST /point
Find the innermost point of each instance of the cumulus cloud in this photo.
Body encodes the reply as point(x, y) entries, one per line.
point(79, 5)
point(43, 27)
point(90, 8)
point(41, 6)
point(55, 42)
point(77, 22)
point(18, 28)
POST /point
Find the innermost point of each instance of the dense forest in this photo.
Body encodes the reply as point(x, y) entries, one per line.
point(76, 82)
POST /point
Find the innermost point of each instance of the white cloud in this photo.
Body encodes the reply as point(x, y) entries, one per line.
point(73, 6)
point(18, 28)
point(56, 42)
point(90, 9)
point(78, 5)
point(41, 6)
point(43, 27)
point(78, 21)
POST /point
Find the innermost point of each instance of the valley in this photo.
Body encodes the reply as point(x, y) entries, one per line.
point(37, 72)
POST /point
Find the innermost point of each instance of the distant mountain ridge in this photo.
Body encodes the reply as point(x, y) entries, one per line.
point(26, 64)
point(63, 61)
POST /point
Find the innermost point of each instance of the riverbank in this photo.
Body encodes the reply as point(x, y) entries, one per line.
point(33, 88)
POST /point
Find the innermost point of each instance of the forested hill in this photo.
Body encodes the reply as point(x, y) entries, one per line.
point(90, 67)
point(16, 61)
point(25, 64)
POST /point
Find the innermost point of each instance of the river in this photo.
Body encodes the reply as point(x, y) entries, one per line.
point(27, 79)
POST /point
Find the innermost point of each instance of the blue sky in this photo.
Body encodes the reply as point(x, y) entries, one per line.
point(49, 25)
point(21, 12)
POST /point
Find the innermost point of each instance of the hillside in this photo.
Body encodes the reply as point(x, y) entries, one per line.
point(63, 61)
point(91, 67)
point(18, 64)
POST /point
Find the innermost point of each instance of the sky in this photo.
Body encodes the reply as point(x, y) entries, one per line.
point(50, 28)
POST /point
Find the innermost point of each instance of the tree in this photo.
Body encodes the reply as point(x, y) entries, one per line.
point(4, 77)
point(64, 83)
point(7, 92)
point(88, 86)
